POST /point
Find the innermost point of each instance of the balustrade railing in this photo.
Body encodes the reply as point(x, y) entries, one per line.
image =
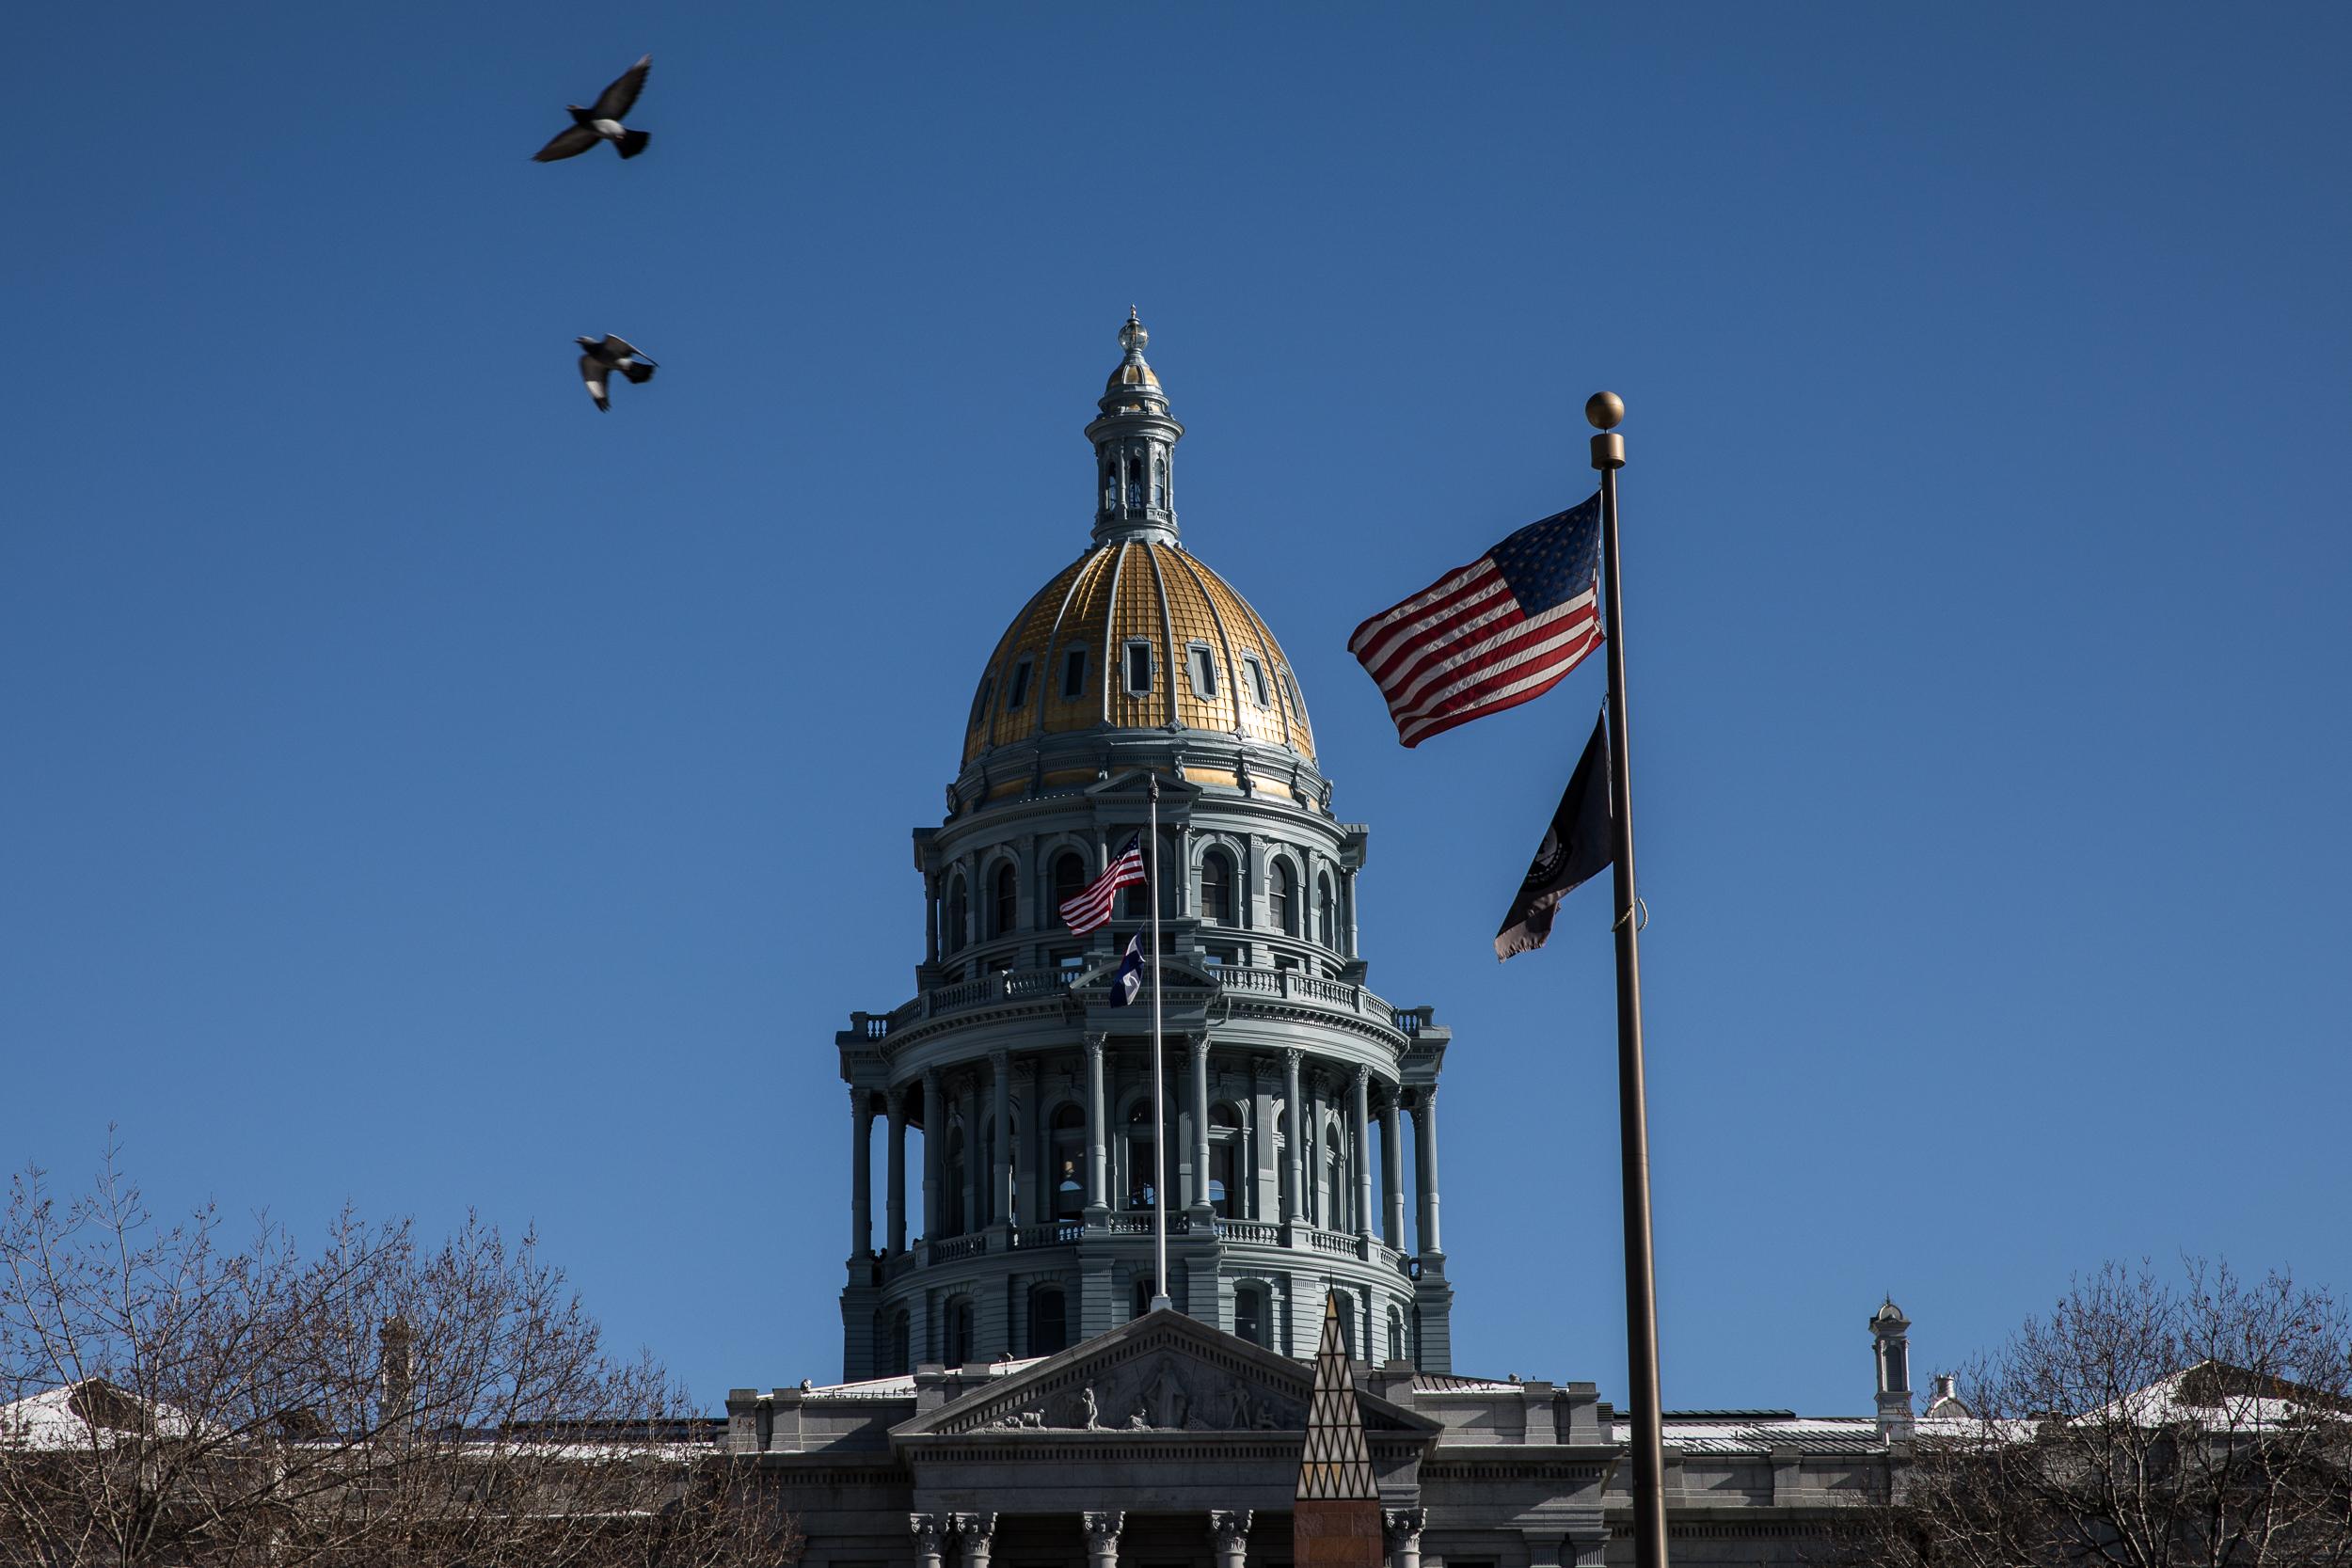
point(899, 1266)
point(1335, 1240)
point(1025, 985)
point(1052, 1234)
point(959, 1246)
point(1260, 1232)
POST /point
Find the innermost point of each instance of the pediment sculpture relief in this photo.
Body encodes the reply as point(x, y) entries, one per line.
point(1159, 1393)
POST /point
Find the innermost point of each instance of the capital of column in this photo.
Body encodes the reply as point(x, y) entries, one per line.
point(1403, 1524)
point(1102, 1531)
point(1291, 1057)
point(1094, 1044)
point(1363, 1076)
point(895, 1097)
point(926, 1530)
point(1229, 1529)
point(998, 1062)
point(974, 1534)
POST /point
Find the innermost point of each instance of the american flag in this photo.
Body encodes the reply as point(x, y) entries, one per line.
point(1085, 909)
point(1496, 633)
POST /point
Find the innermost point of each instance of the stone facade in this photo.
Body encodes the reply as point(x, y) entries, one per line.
point(1010, 1393)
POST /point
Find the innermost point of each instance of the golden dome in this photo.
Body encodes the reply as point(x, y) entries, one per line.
point(1068, 661)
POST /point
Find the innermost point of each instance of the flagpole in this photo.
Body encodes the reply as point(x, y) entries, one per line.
point(1606, 410)
point(1159, 1079)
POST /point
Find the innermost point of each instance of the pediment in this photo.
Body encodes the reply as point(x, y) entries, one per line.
point(1161, 1373)
point(1137, 783)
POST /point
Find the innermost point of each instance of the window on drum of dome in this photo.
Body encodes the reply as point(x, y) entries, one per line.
point(1073, 674)
point(1070, 1138)
point(1007, 902)
point(958, 911)
point(1070, 876)
point(1216, 888)
point(1249, 1315)
point(1326, 914)
point(1254, 674)
point(1139, 668)
point(1283, 899)
point(959, 1326)
point(1049, 1320)
point(1135, 481)
point(1017, 692)
point(1202, 663)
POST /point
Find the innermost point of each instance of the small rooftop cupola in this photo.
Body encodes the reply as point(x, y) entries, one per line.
point(1135, 449)
point(1890, 1335)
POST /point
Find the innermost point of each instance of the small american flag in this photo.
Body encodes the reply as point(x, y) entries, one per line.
point(1496, 633)
point(1085, 909)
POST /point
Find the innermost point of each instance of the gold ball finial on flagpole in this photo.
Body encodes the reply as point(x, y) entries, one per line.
point(1606, 410)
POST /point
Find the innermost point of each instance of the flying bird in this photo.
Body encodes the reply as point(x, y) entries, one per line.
point(601, 356)
point(601, 120)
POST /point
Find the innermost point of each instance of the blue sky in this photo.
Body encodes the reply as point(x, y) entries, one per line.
point(424, 790)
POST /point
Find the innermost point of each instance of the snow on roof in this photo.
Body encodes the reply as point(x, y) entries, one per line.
point(901, 1387)
point(79, 1414)
point(1734, 1432)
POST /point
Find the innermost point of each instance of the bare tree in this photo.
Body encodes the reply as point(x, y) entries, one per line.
point(172, 1399)
point(2144, 1424)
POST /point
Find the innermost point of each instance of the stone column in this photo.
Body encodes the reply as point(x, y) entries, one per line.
point(1000, 1173)
point(1392, 1173)
point(1030, 1165)
point(1317, 1210)
point(974, 1534)
point(1426, 1146)
point(1403, 1527)
point(934, 1135)
point(1102, 1538)
point(1363, 1153)
point(1294, 1207)
point(860, 1172)
point(930, 920)
point(1097, 1146)
point(1199, 1046)
point(974, 1161)
point(897, 1198)
point(1230, 1531)
point(928, 1539)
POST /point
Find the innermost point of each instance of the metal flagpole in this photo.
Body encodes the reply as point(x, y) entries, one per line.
point(1606, 410)
point(1159, 1079)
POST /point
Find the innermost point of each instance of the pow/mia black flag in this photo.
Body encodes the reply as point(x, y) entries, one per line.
point(1578, 844)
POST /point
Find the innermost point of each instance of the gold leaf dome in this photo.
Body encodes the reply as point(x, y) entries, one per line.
point(1070, 659)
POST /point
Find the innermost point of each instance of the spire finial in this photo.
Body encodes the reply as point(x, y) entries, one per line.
point(1132, 336)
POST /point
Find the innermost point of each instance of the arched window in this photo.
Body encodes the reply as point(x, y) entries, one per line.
point(1139, 1155)
point(958, 916)
point(1070, 1156)
point(1070, 876)
point(1224, 1151)
point(1282, 900)
point(1159, 481)
point(1007, 917)
point(1216, 888)
point(1326, 914)
point(1111, 485)
point(1049, 1320)
point(951, 1201)
point(1338, 1215)
point(1135, 481)
point(959, 1327)
point(1249, 1314)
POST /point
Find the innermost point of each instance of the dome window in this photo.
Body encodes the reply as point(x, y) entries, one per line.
point(1139, 667)
point(1283, 899)
point(1007, 902)
point(1253, 675)
point(1159, 481)
point(1326, 914)
point(1017, 690)
point(1216, 888)
point(1070, 876)
point(1202, 664)
point(980, 700)
point(1073, 674)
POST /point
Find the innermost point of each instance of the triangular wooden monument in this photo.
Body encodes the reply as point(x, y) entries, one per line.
point(1335, 1520)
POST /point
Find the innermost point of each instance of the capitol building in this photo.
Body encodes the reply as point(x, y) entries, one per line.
point(1007, 1390)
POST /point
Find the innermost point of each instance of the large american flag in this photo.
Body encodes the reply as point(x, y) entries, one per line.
point(1082, 912)
point(1490, 635)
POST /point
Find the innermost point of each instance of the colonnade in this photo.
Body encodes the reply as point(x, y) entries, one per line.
point(1013, 1186)
point(967, 1540)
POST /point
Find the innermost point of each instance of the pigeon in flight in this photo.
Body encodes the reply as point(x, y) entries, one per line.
point(600, 356)
point(601, 122)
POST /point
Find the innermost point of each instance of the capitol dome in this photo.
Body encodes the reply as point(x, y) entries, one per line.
point(1137, 633)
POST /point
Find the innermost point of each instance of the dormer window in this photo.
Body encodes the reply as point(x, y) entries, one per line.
point(1073, 674)
point(1017, 692)
point(1253, 676)
point(980, 701)
point(1201, 662)
point(1139, 667)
